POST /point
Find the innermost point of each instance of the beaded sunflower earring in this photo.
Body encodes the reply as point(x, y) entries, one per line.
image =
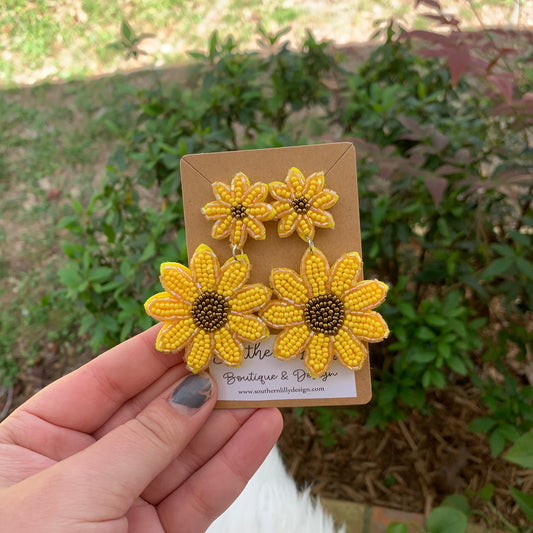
point(208, 309)
point(322, 311)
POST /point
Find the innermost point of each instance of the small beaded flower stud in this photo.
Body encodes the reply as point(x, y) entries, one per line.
point(208, 309)
point(323, 312)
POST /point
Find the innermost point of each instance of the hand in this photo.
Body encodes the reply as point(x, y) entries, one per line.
point(127, 443)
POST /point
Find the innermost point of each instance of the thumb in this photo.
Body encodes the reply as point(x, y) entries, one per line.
point(118, 467)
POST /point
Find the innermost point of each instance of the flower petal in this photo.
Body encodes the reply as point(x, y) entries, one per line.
point(281, 208)
point(287, 223)
point(345, 273)
point(250, 328)
point(200, 351)
point(254, 228)
point(289, 285)
point(305, 228)
point(351, 353)
point(227, 347)
point(205, 268)
point(279, 314)
point(296, 180)
point(256, 193)
point(320, 218)
point(280, 191)
point(216, 209)
point(222, 227)
point(222, 192)
point(239, 185)
point(249, 298)
point(313, 184)
point(318, 354)
point(174, 335)
point(164, 307)
point(176, 279)
point(314, 269)
point(292, 341)
point(368, 326)
point(238, 233)
point(365, 295)
point(324, 199)
point(261, 211)
point(233, 275)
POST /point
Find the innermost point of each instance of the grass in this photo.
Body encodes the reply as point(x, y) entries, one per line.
point(54, 141)
point(55, 40)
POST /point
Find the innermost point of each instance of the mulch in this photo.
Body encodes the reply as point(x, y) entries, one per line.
point(411, 465)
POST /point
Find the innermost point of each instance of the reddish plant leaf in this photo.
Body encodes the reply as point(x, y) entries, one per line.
point(458, 62)
point(463, 156)
point(428, 36)
point(428, 3)
point(504, 85)
point(445, 20)
point(446, 170)
point(436, 187)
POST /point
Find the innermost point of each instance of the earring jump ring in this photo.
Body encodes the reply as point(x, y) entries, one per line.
point(311, 244)
point(236, 251)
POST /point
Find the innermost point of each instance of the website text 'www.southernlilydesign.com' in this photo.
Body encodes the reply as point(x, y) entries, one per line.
point(283, 390)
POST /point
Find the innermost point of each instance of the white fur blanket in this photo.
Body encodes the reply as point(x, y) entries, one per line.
point(271, 503)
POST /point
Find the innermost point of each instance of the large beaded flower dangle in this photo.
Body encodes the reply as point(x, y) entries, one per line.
point(300, 204)
point(208, 309)
point(325, 312)
point(239, 210)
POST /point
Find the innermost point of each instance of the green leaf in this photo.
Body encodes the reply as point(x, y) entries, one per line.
point(437, 378)
point(457, 501)
point(70, 277)
point(525, 267)
point(436, 321)
point(406, 309)
point(486, 492)
point(148, 252)
point(71, 249)
point(497, 443)
point(100, 273)
point(497, 267)
point(521, 452)
point(420, 356)
point(524, 501)
point(481, 425)
point(397, 527)
point(444, 350)
point(125, 29)
point(457, 365)
point(425, 334)
point(446, 520)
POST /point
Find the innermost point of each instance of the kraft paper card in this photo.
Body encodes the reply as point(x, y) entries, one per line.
point(262, 380)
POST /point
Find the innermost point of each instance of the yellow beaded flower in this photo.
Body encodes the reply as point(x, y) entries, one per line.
point(301, 204)
point(207, 309)
point(325, 313)
point(239, 210)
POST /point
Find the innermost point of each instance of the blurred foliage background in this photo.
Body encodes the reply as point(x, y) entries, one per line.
point(441, 120)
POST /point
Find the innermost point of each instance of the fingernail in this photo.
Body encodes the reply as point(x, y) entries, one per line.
point(193, 391)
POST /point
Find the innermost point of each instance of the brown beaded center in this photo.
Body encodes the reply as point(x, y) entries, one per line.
point(301, 205)
point(238, 211)
point(324, 314)
point(210, 311)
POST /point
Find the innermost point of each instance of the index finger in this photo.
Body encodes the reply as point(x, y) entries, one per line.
point(84, 399)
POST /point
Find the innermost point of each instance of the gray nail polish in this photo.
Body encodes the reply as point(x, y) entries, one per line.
point(193, 391)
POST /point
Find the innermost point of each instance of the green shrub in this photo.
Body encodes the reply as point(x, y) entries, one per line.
point(135, 221)
point(439, 161)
